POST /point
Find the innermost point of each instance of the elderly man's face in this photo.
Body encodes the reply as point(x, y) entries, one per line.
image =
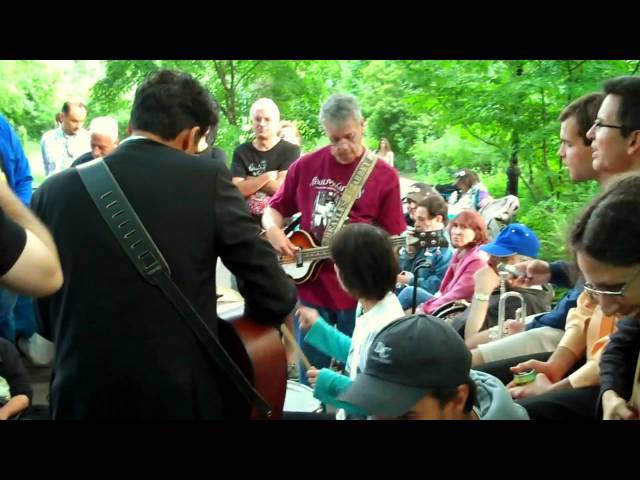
point(102, 145)
point(346, 140)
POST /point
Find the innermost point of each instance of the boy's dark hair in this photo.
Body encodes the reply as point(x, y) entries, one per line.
point(445, 395)
point(169, 102)
point(366, 259)
point(436, 205)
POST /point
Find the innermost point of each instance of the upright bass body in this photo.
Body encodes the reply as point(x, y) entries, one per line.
point(258, 350)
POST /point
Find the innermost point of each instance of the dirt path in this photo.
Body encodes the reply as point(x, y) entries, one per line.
point(405, 183)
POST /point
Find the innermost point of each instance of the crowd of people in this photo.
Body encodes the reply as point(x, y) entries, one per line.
point(429, 306)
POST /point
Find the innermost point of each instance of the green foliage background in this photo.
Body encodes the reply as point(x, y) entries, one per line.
point(439, 115)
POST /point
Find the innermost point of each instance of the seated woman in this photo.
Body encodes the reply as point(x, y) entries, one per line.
point(468, 231)
point(432, 262)
point(473, 194)
point(515, 244)
point(366, 266)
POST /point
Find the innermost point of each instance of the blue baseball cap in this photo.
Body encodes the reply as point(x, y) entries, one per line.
point(514, 239)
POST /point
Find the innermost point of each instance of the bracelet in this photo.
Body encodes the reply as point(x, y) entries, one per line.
point(481, 297)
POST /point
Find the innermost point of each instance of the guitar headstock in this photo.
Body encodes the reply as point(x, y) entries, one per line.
point(426, 239)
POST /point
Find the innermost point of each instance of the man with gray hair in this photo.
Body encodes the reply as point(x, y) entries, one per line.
point(258, 168)
point(313, 187)
point(104, 139)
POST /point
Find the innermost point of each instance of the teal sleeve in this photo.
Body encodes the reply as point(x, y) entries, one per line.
point(330, 385)
point(329, 340)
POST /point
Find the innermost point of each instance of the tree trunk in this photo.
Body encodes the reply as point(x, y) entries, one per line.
point(224, 70)
point(545, 160)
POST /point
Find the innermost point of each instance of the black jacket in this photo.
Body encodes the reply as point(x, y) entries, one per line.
point(620, 357)
point(122, 351)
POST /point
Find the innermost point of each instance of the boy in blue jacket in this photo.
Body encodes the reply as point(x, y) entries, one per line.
point(430, 215)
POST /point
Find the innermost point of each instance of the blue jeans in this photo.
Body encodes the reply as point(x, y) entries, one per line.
point(345, 320)
point(8, 301)
point(17, 316)
point(25, 317)
point(406, 297)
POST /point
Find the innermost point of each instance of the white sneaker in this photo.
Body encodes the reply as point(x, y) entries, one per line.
point(37, 349)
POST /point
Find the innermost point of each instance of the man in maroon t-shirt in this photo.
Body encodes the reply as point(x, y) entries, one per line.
point(313, 187)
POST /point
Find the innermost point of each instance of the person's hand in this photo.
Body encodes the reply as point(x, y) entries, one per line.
point(536, 272)
point(513, 326)
point(486, 280)
point(312, 376)
point(271, 175)
point(541, 367)
point(307, 317)
point(614, 407)
point(540, 385)
point(280, 242)
point(3, 415)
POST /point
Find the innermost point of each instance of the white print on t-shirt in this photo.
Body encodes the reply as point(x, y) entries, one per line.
point(327, 183)
point(323, 208)
point(329, 193)
point(330, 184)
point(257, 168)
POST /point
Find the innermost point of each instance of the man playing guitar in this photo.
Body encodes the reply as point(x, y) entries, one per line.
point(313, 187)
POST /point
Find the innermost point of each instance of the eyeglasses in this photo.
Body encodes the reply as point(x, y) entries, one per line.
point(615, 293)
point(598, 124)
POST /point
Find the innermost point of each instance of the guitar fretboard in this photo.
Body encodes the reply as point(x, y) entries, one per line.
point(322, 253)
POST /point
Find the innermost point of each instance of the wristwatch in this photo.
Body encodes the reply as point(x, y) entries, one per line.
point(481, 297)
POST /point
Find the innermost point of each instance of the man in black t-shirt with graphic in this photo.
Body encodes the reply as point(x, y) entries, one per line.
point(259, 167)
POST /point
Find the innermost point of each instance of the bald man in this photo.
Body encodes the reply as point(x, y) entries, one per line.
point(259, 167)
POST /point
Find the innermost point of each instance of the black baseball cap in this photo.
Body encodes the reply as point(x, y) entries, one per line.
point(407, 359)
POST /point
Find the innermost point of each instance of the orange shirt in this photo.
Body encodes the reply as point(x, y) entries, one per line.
point(587, 333)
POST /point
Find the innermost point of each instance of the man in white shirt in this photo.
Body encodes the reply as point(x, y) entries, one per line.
point(62, 145)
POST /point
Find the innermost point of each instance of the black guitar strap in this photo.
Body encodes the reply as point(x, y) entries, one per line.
point(144, 254)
